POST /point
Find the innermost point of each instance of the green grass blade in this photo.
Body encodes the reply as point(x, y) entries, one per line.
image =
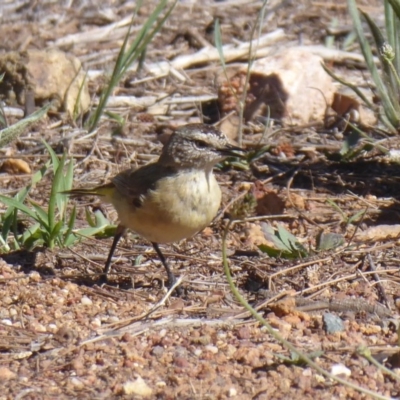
point(395, 5)
point(129, 55)
point(38, 175)
point(389, 78)
point(61, 183)
point(10, 202)
point(9, 215)
point(7, 223)
point(33, 236)
point(89, 219)
point(354, 88)
point(4, 247)
point(392, 22)
point(284, 237)
point(77, 106)
point(141, 48)
point(70, 238)
point(115, 76)
point(10, 133)
point(54, 193)
point(68, 180)
point(55, 235)
point(90, 232)
point(54, 158)
point(337, 208)
point(42, 215)
point(98, 224)
point(388, 106)
point(101, 220)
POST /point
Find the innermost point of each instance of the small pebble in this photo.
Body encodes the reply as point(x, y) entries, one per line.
point(96, 323)
point(52, 328)
point(340, 369)
point(197, 352)
point(157, 351)
point(34, 276)
point(232, 392)
point(181, 362)
point(244, 333)
point(138, 387)
point(222, 335)
point(77, 383)
point(332, 323)
point(86, 301)
point(212, 349)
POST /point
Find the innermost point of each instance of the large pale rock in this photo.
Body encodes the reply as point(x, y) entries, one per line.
point(291, 83)
point(48, 75)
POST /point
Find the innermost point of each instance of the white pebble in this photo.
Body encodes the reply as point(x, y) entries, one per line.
point(96, 323)
point(340, 369)
point(52, 328)
point(138, 387)
point(232, 392)
point(77, 383)
point(212, 349)
point(197, 352)
point(86, 301)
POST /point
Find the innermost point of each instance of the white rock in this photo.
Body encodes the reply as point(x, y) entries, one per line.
point(394, 156)
point(86, 301)
point(138, 387)
point(232, 392)
point(340, 369)
point(290, 86)
point(197, 352)
point(77, 383)
point(52, 328)
point(297, 76)
point(96, 323)
point(212, 349)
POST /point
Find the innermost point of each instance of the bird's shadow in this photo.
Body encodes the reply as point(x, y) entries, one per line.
point(361, 178)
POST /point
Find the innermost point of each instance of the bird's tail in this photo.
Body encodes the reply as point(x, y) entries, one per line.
point(100, 191)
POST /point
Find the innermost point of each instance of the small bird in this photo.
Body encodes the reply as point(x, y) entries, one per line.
point(172, 198)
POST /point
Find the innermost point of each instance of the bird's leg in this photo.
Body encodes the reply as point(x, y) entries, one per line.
point(118, 234)
point(170, 274)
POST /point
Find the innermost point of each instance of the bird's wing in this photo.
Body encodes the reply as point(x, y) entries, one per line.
point(136, 183)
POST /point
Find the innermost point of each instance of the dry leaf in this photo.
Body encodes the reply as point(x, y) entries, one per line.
point(15, 166)
point(268, 202)
point(297, 201)
point(255, 236)
point(207, 232)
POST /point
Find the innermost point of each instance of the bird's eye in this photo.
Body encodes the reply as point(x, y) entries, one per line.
point(201, 144)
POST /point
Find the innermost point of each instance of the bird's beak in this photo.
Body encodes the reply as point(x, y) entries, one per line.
point(232, 151)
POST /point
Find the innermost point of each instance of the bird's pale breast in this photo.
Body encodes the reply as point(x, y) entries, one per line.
point(178, 207)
